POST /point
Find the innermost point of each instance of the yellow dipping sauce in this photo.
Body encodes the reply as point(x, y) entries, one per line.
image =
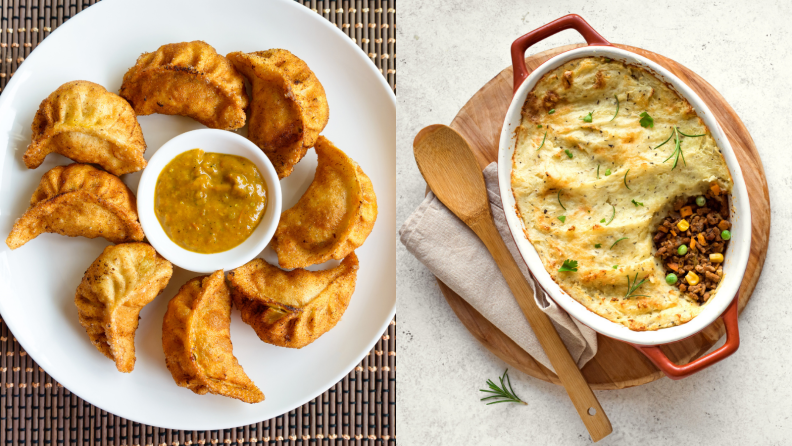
point(209, 202)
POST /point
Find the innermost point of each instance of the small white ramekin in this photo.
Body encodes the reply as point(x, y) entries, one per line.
point(216, 141)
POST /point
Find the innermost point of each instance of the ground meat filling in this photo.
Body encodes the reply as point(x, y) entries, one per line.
point(702, 238)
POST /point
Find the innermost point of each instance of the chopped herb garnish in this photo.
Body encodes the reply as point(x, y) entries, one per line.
point(598, 171)
point(617, 108)
point(543, 140)
point(617, 241)
point(569, 154)
point(552, 110)
point(569, 265)
point(690, 136)
point(559, 199)
point(677, 150)
point(625, 179)
point(598, 245)
point(615, 266)
point(637, 203)
point(614, 214)
point(539, 126)
point(602, 221)
point(501, 394)
point(646, 120)
point(607, 172)
point(588, 117)
point(633, 287)
point(562, 218)
point(669, 139)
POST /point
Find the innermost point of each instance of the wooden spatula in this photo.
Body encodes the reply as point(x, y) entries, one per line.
point(451, 171)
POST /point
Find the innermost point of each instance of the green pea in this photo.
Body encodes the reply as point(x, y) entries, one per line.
point(682, 250)
point(726, 235)
point(671, 279)
point(701, 201)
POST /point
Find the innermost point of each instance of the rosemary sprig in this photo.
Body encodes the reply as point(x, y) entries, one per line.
point(617, 241)
point(501, 393)
point(598, 171)
point(543, 141)
point(612, 216)
point(559, 199)
point(689, 136)
point(663, 143)
point(625, 179)
point(617, 108)
point(677, 150)
point(633, 287)
point(678, 146)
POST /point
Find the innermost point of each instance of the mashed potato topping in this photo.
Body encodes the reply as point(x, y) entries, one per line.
point(601, 156)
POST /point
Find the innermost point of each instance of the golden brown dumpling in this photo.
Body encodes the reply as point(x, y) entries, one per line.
point(117, 285)
point(289, 106)
point(292, 308)
point(332, 218)
point(187, 79)
point(83, 121)
point(79, 200)
point(196, 338)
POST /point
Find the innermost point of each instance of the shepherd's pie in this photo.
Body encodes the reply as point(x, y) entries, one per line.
point(603, 152)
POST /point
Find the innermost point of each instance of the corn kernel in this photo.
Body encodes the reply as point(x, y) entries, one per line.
point(683, 225)
point(685, 211)
point(716, 257)
point(692, 278)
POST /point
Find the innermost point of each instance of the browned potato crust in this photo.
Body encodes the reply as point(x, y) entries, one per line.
point(79, 200)
point(196, 339)
point(332, 218)
point(292, 308)
point(83, 121)
point(289, 106)
point(187, 79)
point(117, 285)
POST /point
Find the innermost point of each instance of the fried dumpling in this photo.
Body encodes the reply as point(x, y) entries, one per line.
point(332, 218)
point(117, 285)
point(196, 338)
point(79, 200)
point(83, 121)
point(289, 107)
point(292, 308)
point(187, 79)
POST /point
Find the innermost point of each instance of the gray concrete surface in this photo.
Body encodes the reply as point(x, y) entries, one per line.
point(446, 51)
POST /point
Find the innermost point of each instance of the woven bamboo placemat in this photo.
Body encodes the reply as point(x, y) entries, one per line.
point(359, 410)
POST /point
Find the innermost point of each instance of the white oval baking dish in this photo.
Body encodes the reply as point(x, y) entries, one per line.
point(736, 257)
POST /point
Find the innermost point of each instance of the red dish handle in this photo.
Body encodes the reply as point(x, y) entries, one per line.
point(523, 43)
point(674, 371)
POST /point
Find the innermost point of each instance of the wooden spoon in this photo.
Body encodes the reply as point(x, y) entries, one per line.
point(452, 172)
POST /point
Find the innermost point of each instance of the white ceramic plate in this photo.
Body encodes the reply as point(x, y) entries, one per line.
point(38, 280)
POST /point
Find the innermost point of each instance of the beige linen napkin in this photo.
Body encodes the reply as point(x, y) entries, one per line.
point(453, 253)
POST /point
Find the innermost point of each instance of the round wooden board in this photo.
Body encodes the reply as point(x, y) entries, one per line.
point(616, 365)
